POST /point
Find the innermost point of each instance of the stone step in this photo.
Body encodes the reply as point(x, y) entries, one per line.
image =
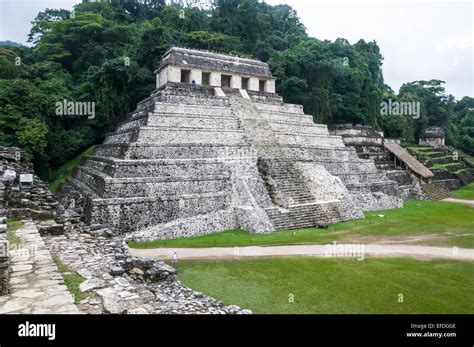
point(288, 138)
point(132, 123)
point(152, 150)
point(192, 109)
point(105, 187)
point(297, 119)
point(135, 213)
point(183, 168)
point(175, 120)
point(83, 188)
point(283, 108)
point(308, 215)
point(194, 123)
point(190, 135)
point(298, 128)
point(122, 137)
point(229, 115)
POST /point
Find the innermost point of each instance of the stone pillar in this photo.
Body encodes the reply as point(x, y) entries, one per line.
point(270, 86)
point(254, 84)
point(196, 75)
point(162, 77)
point(4, 258)
point(215, 79)
point(236, 82)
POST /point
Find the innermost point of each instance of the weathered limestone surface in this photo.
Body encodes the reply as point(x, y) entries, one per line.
point(118, 283)
point(371, 144)
point(36, 286)
point(22, 200)
point(197, 62)
point(191, 154)
point(115, 281)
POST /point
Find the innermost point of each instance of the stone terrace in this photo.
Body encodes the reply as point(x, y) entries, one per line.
point(36, 286)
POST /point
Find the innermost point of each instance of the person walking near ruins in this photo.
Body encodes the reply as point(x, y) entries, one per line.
point(174, 259)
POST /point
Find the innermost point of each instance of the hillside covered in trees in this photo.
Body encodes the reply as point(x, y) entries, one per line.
point(106, 53)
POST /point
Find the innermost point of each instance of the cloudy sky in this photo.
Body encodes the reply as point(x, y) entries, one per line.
point(418, 39)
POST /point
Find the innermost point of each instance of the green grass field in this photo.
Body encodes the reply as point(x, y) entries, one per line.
point(62, 174)
point(415, 218)
point(466, 192)
point(335, 285)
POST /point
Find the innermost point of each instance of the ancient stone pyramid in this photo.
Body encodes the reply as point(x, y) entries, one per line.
point(214, 148)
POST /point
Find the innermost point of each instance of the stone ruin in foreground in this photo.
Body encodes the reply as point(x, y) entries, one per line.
point(215, 148)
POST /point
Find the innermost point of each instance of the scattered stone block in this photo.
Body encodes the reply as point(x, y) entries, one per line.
point(93, 283)
point(50, 227)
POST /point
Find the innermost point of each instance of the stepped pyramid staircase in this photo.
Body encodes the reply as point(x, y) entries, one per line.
point(191, 161)
point(385, 163)
point(450, 171)
point(293, 204)
point(370, 145)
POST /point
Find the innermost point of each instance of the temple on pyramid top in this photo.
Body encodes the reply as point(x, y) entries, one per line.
point(214, 148)
point(182, 65)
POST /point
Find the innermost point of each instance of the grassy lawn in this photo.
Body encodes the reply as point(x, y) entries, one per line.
point(466, 192)
point(12, 226)
point(72, 280)
point(64, 172)
point(336, 285)
point(415, 218)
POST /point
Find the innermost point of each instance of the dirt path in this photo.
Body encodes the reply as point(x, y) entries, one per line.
point(461, 201)
point(358, 251)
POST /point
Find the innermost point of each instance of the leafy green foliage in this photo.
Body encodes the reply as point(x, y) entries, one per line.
point(466, 192)
point(32, 136)
point(61, 175)
point(336, 82)
point(106, 53)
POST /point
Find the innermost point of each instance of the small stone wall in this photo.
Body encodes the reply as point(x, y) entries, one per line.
point(23, 199)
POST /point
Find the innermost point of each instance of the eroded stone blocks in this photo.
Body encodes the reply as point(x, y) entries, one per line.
point(190, 162)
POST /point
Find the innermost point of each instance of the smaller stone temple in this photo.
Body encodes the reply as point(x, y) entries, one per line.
point(181, 65)
point(432, 136)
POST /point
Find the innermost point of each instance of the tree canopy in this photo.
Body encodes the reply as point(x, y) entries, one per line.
point(106, 52)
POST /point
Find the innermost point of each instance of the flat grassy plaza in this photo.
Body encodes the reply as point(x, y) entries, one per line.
point(312, 285)
point(303, 284)
point(466, 192)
